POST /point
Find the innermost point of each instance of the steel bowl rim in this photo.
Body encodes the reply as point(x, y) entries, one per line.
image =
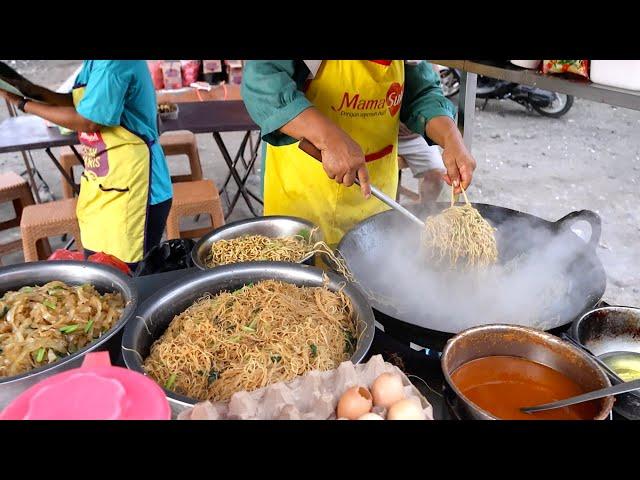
point(608, 401)
point(130, 359)
point(575, 327)
point(194, 251)
point(128, 313)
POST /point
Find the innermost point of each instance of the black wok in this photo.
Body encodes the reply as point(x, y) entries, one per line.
point(383, 253)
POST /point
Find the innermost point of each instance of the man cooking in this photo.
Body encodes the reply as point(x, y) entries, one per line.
point(350, 110)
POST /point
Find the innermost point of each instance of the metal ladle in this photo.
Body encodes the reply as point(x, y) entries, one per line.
point(586, 397)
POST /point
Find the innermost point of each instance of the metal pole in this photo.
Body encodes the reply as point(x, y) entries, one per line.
point(467, 106)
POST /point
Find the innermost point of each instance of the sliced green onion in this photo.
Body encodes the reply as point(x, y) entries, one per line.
point(40, 354)
point(253, 323)
point(49, 304)
point(69, 328)
point(26, 290)
point(314, 349)
point(171, 381)
point(88, 326)
point(213, 376)
point(248, 329)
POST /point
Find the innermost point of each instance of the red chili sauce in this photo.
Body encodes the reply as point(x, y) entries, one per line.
point(501, 385)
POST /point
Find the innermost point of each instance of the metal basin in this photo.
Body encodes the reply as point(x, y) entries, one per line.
point(270, 226)
point(612, 329)
point(104, 278)
point(158, 311)
point(524, 342)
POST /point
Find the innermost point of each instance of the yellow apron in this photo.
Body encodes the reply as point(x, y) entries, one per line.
point(363, 97)
point(114, 190)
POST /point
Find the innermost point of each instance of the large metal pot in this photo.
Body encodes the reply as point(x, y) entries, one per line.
point(158, 311)
point(612, 329)
point(524, 342)
point(270, 226)
point(104, 278)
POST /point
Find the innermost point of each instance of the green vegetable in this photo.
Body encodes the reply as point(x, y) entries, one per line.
point(53, 290)
point(169, 383)
point(88, 326)
point(49, 304)
point(26, 290)
point(235, 338)
point(5, 309)
point(40, 354)
point(314, 349)
point(305, 233)
point(213, 376)
point(247, 329)
point(276, 358)
point(69, 328)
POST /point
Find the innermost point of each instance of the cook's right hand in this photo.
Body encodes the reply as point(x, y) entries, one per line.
point(343, 161)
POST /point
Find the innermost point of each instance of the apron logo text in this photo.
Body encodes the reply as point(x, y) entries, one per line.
point(351, 105)
point(94, 153)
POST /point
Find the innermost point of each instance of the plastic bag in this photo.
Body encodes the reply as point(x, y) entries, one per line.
point(155, 67)
point(579, 67)
point(106, 259)
point(166, 257)
point(172, 75)
point(190, 70)
point(62, 254)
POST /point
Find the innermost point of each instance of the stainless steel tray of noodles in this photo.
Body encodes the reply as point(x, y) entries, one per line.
point(155, 315)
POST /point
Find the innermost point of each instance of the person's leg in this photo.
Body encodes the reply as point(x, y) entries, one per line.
point(156, 223)
point(425, 162)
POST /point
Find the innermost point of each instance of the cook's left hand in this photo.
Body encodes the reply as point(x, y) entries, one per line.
point(459, 163)
point(10, 96)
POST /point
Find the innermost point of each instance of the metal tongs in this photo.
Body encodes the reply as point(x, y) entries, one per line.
point(309, 148)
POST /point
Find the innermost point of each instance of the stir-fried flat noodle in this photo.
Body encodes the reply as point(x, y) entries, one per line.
point(244, 340)
point(461, 235)
point(39, 325)
point(258, 247)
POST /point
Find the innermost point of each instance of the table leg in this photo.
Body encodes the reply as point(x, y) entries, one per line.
point(64, 174)
point(223, 190)
point(234, 173)
point(252, 161)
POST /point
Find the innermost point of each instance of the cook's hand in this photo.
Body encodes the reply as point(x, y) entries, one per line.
point(343, 161)
point(10, 96)
point(459, 163)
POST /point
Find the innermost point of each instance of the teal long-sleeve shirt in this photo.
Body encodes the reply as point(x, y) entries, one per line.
point(272, 92)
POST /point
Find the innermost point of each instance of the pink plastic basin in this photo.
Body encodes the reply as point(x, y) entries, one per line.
point(95, 391)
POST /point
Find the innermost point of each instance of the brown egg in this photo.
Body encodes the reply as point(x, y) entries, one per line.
point(354, 403)
point(407, 409)
point(387, 389)
point(370, 416)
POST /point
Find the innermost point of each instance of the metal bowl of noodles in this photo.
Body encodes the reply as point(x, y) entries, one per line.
point(103, 278)
point(275, 226)
point(155, 315)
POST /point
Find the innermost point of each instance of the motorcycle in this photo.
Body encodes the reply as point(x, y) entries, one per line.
point(546, 103)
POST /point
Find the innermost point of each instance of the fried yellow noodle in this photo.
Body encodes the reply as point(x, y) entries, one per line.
point(244, 340)
point(461, 235)
point(41, 324)
point(258, 247)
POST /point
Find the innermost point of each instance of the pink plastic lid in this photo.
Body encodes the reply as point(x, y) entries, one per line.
point(95, 391)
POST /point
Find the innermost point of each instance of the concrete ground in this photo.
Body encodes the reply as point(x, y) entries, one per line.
point(588, 159)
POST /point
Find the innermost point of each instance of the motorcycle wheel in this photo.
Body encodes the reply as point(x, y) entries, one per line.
point(561, 105)
point(450, 82)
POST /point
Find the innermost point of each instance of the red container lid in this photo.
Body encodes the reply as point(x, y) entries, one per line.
point(95, 391)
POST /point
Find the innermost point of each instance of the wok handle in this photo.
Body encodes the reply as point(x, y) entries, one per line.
point(588, 216)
